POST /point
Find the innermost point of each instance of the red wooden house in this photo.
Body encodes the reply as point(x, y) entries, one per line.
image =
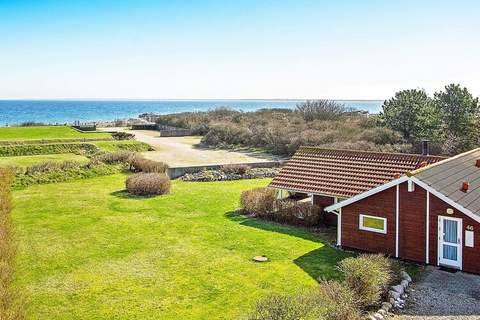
point(416, 207)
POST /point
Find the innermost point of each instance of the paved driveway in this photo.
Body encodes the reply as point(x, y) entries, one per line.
point(442, 295)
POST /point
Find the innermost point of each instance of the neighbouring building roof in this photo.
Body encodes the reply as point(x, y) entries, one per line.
point(448, 177)
point(344, 173)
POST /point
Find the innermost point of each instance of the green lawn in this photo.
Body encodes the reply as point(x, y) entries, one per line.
point(89, 251)
point(47, 132)
point(25, 161)
point(113, 146)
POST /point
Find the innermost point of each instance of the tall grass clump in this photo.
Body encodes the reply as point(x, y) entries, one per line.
point(258, 201)
point(148, 184)
point(11, 307)
point(369, 276)
point(330, 301)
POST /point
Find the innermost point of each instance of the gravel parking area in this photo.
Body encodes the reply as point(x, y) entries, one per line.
point(184, 151)
point(442, 295)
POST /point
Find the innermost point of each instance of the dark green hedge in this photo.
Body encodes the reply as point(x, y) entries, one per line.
point(55, 148)
point(50, 141)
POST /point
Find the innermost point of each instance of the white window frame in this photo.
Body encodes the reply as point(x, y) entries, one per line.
point(361, 227)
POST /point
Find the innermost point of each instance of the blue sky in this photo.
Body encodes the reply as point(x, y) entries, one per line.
point(236, 49)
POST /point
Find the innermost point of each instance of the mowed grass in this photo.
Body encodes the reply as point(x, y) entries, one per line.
point(89, 251)
point(113, 146)
point(47, 132)
point(25, 161)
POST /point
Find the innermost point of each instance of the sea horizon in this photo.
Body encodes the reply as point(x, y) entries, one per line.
point(59, 111)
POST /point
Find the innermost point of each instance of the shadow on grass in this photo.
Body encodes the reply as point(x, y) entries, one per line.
point(124, 194)
point(319, 264)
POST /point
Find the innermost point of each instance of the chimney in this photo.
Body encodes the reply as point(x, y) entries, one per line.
point(465, 186)
point(425, 148)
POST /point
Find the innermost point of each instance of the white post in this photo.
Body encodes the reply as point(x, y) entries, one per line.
point(427, 231)
point(397, 220)
point(339, 227)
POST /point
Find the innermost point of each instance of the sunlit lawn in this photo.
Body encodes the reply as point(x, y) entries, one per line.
point(88, 251)
point(46, 132)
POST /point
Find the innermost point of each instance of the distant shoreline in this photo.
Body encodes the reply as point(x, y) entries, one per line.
point(15, 112)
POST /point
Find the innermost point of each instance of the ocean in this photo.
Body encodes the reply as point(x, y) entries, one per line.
point(67, 111)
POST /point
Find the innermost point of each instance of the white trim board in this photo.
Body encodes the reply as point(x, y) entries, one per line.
point(441, 196)
point(393, 183)
point(362, 227)
point(366, 194)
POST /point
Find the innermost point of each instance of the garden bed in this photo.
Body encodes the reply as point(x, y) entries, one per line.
point(220, 175)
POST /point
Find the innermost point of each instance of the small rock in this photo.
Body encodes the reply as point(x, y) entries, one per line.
point(404, 283)
point(405, 276)
point(260, 259)
point(371, 317)
point(386, 306)
point(394, 295)
point(398, 288)
point(378, 316)
point(382, 312)
point(392, 301)
point(404, 296)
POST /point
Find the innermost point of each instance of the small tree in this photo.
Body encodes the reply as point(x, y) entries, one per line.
point(321, 110)
point(459, 112)
point(411, 113)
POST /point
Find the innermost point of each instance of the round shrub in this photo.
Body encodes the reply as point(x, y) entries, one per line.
point(148, 184)
point(140, 164)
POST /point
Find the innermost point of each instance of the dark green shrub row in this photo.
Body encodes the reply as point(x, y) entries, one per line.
point(50, 141)
point(148, 184)
point(55, 148)
point(74, 173)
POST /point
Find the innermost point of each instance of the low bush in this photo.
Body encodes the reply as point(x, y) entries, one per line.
point(11, 306)
point(115, 157)
point(337, 301)
point(49, 166)
point(258, 201)
point(296, 213)
point(122, 136)
point(148, 184)
point(369, 276)
point(235, 168)
point(330, 301)
point(125, 145)
point(140, 164)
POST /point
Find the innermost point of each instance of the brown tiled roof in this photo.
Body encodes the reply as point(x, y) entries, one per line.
point(344, 173)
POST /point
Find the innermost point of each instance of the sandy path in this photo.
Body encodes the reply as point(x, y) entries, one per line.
point(184, 151)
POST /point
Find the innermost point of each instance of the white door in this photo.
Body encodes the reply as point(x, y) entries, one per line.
point(450, 242)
